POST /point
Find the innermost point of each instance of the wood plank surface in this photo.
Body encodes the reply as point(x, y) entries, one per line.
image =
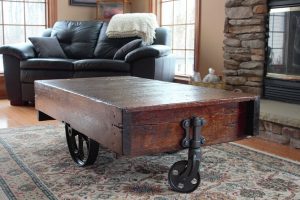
point(19, 116)
point(136, 94)
point(135, 116)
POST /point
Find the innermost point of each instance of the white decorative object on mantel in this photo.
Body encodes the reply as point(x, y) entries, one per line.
point(211, 77)
point(196, 77)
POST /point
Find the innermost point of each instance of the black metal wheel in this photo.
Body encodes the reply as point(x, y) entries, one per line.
point(182, 184)
point(83, 150)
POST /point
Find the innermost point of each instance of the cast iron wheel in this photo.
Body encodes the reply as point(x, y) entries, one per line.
point(83, 150)
point(184, 185)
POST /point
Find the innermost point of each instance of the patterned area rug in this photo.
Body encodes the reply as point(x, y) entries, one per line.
point(35, 164)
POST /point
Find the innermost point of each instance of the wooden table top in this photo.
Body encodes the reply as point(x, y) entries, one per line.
point(132, 93)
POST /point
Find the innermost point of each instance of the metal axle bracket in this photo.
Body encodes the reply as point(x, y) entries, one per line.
point(184, 175)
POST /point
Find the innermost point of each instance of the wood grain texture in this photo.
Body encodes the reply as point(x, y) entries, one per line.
point(135, 116)
point(138, 94)
point(12, 116)
point(52, 12)
point(98, 121)
point(157, 131)
point(3, 94)
point(271, 147)
point(19, 116)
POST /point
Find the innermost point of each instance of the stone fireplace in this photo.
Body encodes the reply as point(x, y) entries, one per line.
point(244, 50)
point(249, 68)
point(268, 66)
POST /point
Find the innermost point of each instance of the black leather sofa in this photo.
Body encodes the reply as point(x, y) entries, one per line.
point(89, 53)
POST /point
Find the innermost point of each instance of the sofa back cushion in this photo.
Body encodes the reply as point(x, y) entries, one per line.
point(77, 38)
point(107, 47)
point(47, 47)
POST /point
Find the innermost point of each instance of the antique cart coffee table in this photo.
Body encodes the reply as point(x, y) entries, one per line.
point(135, 116)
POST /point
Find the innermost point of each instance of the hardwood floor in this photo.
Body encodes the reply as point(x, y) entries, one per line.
point(14, 116)
point(17, 116)
point(273, 148)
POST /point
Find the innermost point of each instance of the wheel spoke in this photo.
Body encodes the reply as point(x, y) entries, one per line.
point(83, 150)
point(80, 147)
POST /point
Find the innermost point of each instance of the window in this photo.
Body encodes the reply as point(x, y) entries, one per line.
point(20, 19)
point(284, 41)
point(181, 17)
point(277, 35)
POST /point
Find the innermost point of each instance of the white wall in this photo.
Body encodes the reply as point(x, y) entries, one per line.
point(212, 36)
point(140, 6)
point(81, 13)
point(67, 12)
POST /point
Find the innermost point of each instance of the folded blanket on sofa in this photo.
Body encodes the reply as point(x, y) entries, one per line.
point(142, 25)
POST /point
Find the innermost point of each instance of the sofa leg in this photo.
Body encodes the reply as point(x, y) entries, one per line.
point(18, 103)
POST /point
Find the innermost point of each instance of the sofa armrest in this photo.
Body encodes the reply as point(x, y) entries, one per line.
point(47, 32)
point(21, 51)
point(148, 51)
point(161, 68)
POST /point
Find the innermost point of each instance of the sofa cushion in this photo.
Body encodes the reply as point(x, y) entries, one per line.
point(30, 75)
point(101, 65)
point(87, 74)
point(124, 50)
point(107, 47)
point(77, 38)
point(48, 64)
point(47, 47)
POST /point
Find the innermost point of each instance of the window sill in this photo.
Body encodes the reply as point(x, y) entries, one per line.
point(182, 79)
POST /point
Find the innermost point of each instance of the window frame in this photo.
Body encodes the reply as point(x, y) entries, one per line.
point(50, 17)
point(51, 12)
point(155, 7)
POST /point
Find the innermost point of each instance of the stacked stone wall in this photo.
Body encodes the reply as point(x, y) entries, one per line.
point(280, 133)
point(244, 60)
point(244, 44)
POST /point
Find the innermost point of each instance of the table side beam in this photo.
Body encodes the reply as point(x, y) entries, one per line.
point(95, 119)
point(160, 130)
